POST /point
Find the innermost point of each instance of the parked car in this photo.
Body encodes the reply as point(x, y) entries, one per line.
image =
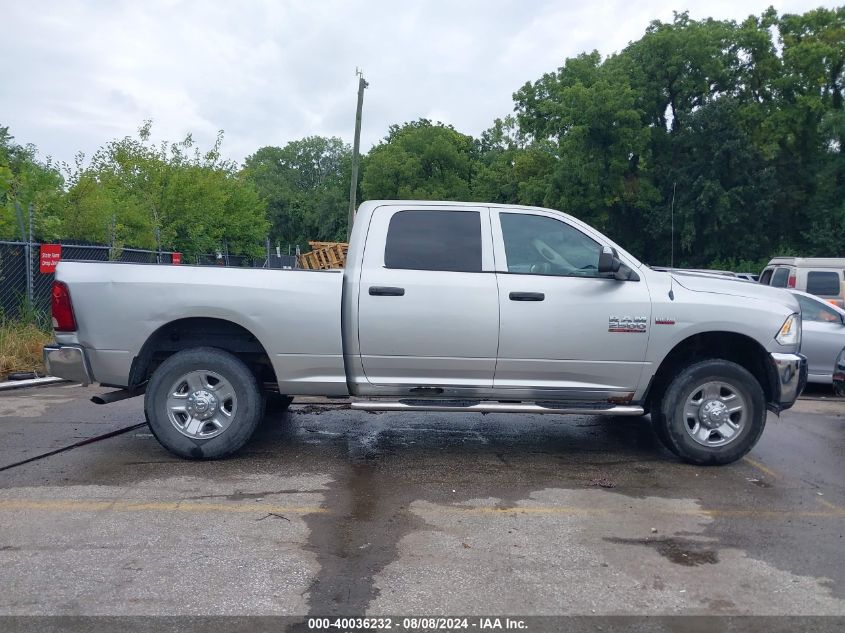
point(748, 277)
point(821, 276)
point(824, 335)
point(442, 306)
point(703, 271)
point(710, 271)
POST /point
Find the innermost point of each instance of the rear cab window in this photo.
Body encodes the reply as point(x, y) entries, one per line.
point(824, 283)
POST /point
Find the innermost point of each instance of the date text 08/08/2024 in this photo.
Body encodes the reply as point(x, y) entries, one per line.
point(416, 623)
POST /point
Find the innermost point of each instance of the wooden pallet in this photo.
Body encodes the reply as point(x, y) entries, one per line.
point(324, 256)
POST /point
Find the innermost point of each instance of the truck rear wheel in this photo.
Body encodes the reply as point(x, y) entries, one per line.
point(203, 403)
point(713, 412)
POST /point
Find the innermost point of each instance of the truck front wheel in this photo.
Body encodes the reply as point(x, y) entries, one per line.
point(713, 412)
point(203, 403)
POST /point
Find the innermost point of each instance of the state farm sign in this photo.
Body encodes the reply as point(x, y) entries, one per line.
point(51, 255)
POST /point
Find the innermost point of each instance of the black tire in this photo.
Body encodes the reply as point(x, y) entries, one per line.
point(245, 414)
point(674, 427)
point(276, 403)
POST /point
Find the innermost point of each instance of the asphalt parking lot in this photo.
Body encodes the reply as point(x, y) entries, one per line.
point(329, 511)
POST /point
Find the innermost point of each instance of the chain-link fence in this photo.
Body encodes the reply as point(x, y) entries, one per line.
point(26, 269)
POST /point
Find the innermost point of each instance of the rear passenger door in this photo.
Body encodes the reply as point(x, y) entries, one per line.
point(428, 308)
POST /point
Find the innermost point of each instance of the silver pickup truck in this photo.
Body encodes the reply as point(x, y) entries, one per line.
point(442, 306)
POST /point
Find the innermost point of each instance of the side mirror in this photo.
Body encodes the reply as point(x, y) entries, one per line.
point(608, 261)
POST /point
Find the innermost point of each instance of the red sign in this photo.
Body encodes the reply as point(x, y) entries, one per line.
point(176, 258)
point(51, 255)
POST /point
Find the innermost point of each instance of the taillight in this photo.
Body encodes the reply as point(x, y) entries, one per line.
point(790, 283)
point(63, 319)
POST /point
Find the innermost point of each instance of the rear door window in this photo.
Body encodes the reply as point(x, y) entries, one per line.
point(824, 283)
point(766, 277)
point(780, 277)
point(434, 240)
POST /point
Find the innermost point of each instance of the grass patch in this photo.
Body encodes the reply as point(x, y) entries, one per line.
point(20, 347)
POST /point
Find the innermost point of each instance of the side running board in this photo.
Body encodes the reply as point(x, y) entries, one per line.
point(481, 406)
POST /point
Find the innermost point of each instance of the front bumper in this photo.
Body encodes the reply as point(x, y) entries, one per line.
point(69, 362)
point(791, 378)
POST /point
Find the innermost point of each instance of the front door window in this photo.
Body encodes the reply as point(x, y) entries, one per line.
point(539, 245)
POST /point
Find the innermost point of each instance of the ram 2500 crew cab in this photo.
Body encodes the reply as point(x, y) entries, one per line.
point(442, 306)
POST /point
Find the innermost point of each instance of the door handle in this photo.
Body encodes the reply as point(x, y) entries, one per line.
point(526, 296)
point(386, 291)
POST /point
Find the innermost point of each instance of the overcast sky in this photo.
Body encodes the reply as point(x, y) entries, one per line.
point(77, 74)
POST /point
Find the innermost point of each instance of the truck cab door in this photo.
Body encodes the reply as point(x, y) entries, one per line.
point(428, 307)
point(566, 331)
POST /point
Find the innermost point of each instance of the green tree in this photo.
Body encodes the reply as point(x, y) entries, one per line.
point(305, 185)
point(511, 169)
point(680, 66)
point(810, 128)
point(588, 111)
point(420, 160)
point(172, 195)
point(26, 180)
point(750, 131)
point(725, 192)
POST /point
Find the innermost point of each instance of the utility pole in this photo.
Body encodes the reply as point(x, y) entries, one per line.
point(353, 186)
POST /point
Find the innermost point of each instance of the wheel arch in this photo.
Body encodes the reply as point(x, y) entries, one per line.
point(189, 332)
point(731, 346)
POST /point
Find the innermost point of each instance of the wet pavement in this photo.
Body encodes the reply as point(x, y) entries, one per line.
point(329, 511)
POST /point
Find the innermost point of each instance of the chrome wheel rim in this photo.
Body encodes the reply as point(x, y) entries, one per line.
point(201, 404)
point(715, 413)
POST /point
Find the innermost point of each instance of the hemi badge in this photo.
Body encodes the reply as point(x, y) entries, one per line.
point(664, 321)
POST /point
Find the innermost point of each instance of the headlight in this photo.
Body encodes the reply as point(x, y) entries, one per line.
point(790, 331)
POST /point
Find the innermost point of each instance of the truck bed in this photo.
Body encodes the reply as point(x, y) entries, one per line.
point(294, 314)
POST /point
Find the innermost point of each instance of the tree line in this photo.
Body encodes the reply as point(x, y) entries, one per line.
point(738, 126)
